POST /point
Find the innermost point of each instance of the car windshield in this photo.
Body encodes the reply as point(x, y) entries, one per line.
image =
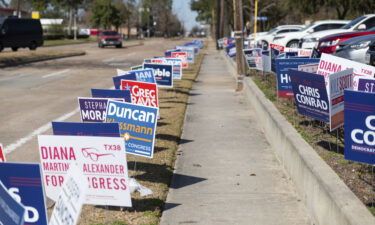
point(352, 23)
point(109, 33)
point(308, 27)
point(271, 31)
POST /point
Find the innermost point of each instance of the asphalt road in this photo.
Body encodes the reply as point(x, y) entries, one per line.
point(33, 95)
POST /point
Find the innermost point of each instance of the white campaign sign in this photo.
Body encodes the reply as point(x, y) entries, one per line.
point(338, 82)
point(122, 72)
point(2, 154)
point(332, 64)
point(310, 68)
point(69, 203)
point(101, 159)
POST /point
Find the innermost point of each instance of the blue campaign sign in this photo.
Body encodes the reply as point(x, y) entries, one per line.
point(231, 50)
point(11, 211)
point(24, 183)
point(177, 67)
point(366, 84)
point(168, 53)
point(163, 73)
point(310, 95)
point(145, 75)
point(109, 93)
point(359, 124)
point(86, 129)
point(284, 86)
point(137, 126)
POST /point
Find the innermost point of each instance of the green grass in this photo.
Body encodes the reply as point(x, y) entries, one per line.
point(66, 42)
point(114, 223)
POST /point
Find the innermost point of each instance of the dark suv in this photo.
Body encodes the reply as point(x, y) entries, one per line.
point(20, 33)
point(108, 38)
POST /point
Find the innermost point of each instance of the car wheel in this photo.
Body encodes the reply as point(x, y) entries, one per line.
point(293, 44)
point(32, 45)
point(1, 47)
point(14, 49)
point(101, 45)
point(119, 46)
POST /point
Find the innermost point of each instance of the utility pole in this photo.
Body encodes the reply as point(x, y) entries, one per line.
point(255, 21)
point(238, 34)
point(222, 18)
point(18, 8)
point(217, 33)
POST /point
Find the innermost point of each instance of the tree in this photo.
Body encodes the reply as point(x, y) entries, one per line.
point(104, 14)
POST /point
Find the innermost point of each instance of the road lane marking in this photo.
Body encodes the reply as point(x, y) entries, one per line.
point(10, 148)
point(56, 73)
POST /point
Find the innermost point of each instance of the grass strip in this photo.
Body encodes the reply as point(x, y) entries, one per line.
point(153, 173)
point(23, 57)
point(329, 145)
point(66, 42)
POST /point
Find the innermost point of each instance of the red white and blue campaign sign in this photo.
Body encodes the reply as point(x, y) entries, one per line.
point(168, 53)
point(142, 93)
point(163, 73)
point(231, 50)
point(24, 184)
point(181, 55)
point(11, 211)
point(86, 129)
point(366, 84)
point(93, 109)
point(137, 126)
point(145, 75)
point(283, 66)
point(109, 93)
point(189, 51)
point(360, 126)
point(310, 95)
point(177, 66)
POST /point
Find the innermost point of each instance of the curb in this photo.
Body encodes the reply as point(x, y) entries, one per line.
point(9, 64)
point(326, 197)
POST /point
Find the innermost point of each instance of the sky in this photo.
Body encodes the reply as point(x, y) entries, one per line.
point(186, 16)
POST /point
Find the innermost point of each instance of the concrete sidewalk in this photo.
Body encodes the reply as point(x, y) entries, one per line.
point(227, 172)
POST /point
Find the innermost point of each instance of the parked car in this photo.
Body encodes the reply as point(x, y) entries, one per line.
point(359, 24)
point(329, 43)
point(109, 38)
point(20, 33)
point(355, 48)
point(292, 39)
point(267, 38)
point(370, 54)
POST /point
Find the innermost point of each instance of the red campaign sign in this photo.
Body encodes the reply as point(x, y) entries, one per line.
point(157, 61)
point(181, 55)
point(2, 156)
point(142, 93)
point(277, 47)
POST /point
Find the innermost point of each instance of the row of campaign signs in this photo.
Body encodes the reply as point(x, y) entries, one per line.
point(85, 162)
point(330, 89)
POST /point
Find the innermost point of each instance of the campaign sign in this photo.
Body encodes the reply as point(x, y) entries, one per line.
point(86, 129)
point(137, 67)
point(231, 50)
point(137, 126)
point(310, 95)
point(122, 72)
point(102, 160)
point(283, 67)
point(189, 51)
point(163, 74)
point(145, 75)
point(279, 48)
point(71, 198)
point(24, 184)
point(93, 109)
point(168, 53)
point(142, 93)
point(304, 52)
point(338, 82)
point(182, 56)
point(177, 66)
point(332, 64)
point(2, 154)
point(109, 93)
point(366, 85)
point(359, 126)
point(11, 211)
point(253, 58)
point(310, 68)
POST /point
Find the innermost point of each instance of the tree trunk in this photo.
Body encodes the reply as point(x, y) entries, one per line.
point(238, 33)
point(70, 22)
point(75, 24)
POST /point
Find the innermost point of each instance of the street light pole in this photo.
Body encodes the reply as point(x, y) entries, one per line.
point(238, 34)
